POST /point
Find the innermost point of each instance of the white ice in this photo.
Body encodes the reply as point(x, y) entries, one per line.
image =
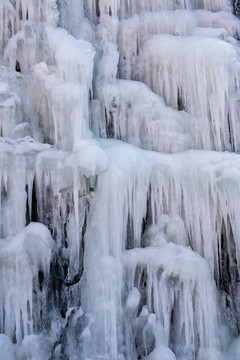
point(22, 257)
point(7, 348)
point(191, 73)
point(139, 237)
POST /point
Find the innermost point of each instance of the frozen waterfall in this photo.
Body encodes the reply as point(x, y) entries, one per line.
point(120, 236)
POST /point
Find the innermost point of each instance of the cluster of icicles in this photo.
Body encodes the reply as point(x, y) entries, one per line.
point(120, 180)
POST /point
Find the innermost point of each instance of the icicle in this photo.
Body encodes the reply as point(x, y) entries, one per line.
point(27, 253)
point(57, 103)
point(144, 239)
point(131, 7)
point(140, 117)
point(188, 82)
point(17, 164)
point(173, 291)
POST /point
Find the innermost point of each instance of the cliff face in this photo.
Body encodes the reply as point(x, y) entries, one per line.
point(120, 174)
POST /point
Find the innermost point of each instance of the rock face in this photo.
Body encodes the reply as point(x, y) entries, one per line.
point(120, 180)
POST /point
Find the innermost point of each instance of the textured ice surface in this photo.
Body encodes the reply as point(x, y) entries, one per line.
point(35, 347)
point(119, 249)
point(6, 348)
point(145, 119)
point(234, 350)
point(23, 300)
point(60, 104)
point(191, 73)
point(60, 108)
point(131, 7)
point(174, 274)
point(127, 192)
point(17, 159)
point(10, 103)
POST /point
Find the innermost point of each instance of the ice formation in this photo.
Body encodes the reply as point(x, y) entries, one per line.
point(119, 173)
point(25, 268)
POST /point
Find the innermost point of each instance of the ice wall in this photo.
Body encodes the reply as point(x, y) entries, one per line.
point(25, 268)
point(119, 173)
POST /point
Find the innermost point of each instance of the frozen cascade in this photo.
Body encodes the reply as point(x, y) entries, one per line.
point(122, 248)
point(25, 267)
point(130, 7)
point(175, 295)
